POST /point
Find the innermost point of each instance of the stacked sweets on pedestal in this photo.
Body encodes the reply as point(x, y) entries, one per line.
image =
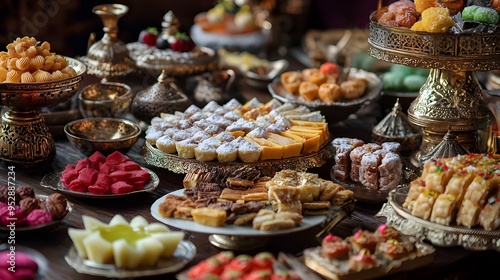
point(453, 39)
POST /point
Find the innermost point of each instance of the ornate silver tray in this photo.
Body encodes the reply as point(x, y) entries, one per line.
point(470, 238)
point(154, 60)
point(176, 164)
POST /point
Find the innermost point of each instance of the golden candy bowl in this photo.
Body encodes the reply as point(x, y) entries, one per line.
point(25, 139)
point(106, 99)
point(105, 135)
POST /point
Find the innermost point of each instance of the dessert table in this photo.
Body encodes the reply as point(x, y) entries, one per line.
point(54, 243)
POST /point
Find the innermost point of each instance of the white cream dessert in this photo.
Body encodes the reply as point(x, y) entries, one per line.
point(126, 245)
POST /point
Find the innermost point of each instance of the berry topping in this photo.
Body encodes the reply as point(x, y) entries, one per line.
point(148, 36)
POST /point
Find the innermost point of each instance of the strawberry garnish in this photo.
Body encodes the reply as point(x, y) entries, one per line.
point(148, 36)
point(182, 43)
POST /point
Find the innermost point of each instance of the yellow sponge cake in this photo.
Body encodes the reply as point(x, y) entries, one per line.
point(291, 147)
point(311, 130)
point(323, 125)
point(269, 150)
point(311, 142)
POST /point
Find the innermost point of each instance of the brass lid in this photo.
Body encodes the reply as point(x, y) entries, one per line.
point(396, 124)
point(162, 97)
point(449, 147)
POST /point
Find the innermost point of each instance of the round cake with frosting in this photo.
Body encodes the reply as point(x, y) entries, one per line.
point(229, 24)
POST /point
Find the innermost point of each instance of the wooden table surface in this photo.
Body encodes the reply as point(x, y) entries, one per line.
point(449, 263)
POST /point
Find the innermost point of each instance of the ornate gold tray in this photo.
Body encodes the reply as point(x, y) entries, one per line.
point(154, 60)
point(451, 98)
point(176, 164)
point(454, 52)
point(439, 235)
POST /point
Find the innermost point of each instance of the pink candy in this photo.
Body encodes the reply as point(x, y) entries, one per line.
point(38, 217)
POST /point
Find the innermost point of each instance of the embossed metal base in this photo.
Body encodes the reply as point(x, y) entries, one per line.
point(451, 99)
point(240, 243)
point(25, 139)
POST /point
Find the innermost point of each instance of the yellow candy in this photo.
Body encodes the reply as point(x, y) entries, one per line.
point(417, 26)
point(422, 5)
point(436, 20)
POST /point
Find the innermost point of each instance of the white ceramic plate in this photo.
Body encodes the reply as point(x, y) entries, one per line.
point(53, 181)
point(232, 230)
point(26, 228)
point(184, 253)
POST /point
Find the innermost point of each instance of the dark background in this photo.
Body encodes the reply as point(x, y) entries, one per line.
point(67, 24)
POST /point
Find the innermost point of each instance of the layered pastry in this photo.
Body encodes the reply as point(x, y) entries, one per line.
point(209, 216)
point(455, 191)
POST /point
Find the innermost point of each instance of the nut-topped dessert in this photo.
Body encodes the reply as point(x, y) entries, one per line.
point(366, 254)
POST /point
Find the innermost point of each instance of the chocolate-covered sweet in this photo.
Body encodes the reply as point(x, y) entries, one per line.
point(5, 196)
point(4, 193)
point(29, 204)
point(25, 191)
point(56, 204)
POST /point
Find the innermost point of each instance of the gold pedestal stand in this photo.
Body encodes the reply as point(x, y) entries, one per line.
point(25, 139)
point(452, 98)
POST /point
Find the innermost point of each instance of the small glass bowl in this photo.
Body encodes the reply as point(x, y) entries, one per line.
point(108, 99)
